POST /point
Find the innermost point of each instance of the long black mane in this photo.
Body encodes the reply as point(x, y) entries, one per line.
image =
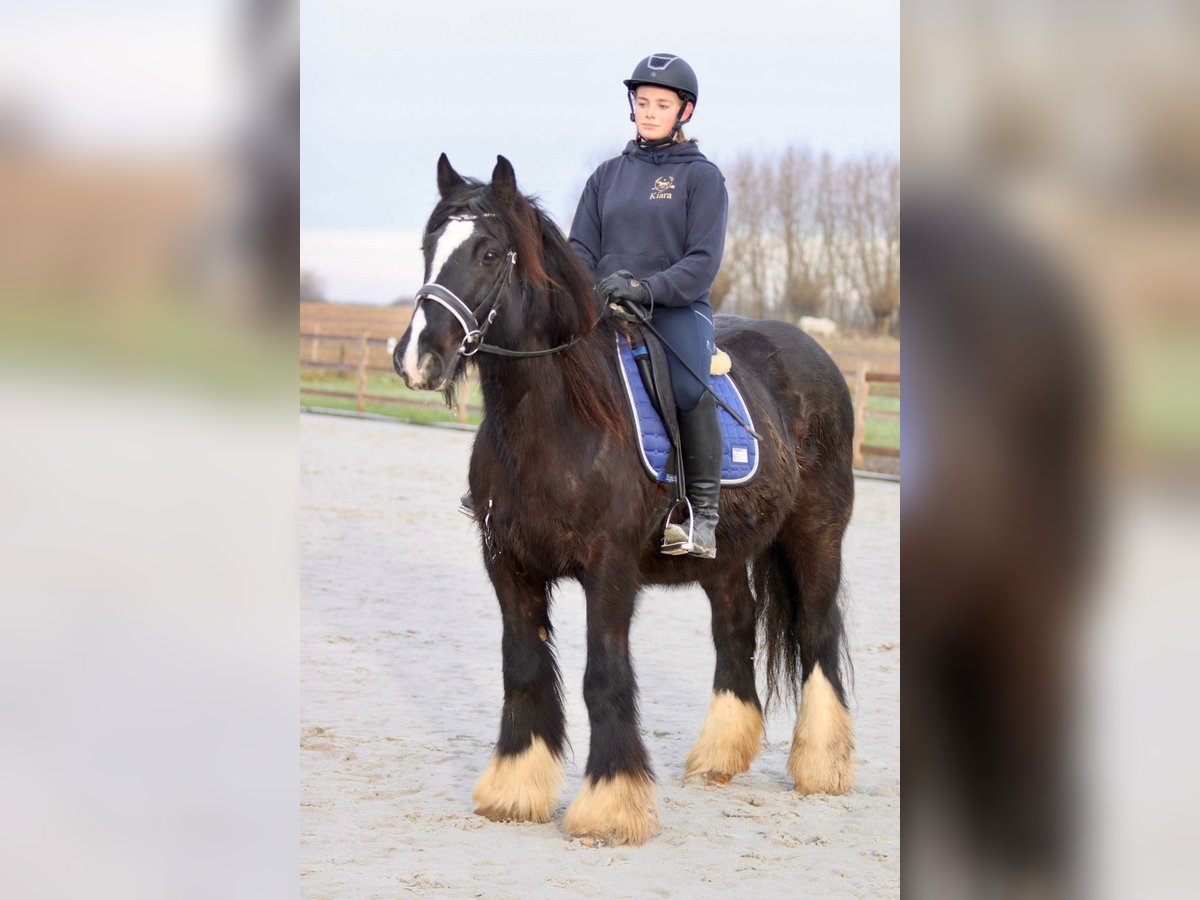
point(555, 288)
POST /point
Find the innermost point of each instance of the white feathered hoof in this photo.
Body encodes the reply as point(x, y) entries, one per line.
point(822, 756)
point(617, 810)
point(520, 788)
point(731, 737)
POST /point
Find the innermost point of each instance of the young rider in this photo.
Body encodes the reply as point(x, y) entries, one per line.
point(651, 227)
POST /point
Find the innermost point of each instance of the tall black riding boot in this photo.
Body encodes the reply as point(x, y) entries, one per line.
point(700, 433)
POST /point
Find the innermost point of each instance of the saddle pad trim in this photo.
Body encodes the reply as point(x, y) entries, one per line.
point(749, 421)
point(637, 428)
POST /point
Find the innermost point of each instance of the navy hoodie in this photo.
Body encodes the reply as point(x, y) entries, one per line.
point(661, 215)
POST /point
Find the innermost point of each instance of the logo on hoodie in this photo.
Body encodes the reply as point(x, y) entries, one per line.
point(663, 188)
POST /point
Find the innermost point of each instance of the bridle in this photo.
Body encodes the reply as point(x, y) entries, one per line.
point(474, 332)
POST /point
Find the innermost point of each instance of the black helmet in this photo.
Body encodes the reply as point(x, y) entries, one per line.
point(666, 70)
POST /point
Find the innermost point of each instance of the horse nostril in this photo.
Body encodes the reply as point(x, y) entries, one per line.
point(431, 367)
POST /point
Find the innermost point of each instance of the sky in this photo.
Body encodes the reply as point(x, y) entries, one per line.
point(386, 87)
point(131, 77)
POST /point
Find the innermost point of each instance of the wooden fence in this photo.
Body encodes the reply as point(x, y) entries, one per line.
point(361, 347)
point(861, 384)
point(362, 367)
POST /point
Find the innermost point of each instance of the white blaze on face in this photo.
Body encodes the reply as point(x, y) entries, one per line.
point(414, 340)
point(453, 237)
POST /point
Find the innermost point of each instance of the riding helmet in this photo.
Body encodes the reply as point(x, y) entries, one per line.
point(666, 70)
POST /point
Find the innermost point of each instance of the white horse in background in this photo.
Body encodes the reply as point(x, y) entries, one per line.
point(818, 326)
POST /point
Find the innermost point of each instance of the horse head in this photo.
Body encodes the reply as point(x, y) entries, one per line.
point(470, 255)
point(495, 264)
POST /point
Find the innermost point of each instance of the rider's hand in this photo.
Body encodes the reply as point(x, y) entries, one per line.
point(622, 285)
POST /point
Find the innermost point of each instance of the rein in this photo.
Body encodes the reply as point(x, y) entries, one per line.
point(633, 312)
point(472, 341)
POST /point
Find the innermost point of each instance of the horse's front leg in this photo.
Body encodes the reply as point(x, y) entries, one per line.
point(524, 778)
point(616, 802)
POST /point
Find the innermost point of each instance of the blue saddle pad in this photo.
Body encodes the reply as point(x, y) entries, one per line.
point(740, 456)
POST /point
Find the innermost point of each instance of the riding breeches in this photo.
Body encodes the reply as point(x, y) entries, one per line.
point(689, 330)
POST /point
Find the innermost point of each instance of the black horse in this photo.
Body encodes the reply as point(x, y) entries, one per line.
point(560, 494)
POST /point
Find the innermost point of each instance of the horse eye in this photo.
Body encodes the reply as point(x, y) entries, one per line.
point(491, 256)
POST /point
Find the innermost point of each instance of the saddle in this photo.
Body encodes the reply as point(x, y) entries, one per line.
point(647, 382)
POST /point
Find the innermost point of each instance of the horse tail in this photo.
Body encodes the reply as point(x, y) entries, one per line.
point(777, 599)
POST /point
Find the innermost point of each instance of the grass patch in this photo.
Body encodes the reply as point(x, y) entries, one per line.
point(882, 432)
point(419, 407)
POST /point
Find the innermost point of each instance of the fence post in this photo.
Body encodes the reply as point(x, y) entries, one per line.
point(462, 399)
point(362, 373)
point(314, 347)
point(861, 391)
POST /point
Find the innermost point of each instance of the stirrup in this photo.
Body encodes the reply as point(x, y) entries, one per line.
point(466, 506)
point(677, 540)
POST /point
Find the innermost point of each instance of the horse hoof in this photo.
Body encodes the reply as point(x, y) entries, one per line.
point(709, 778)
point(731, 737)
point(822, 756)
point(826, 769)
point(613, 811)
point(520, 788)
point(496, 815)
point(835, 779)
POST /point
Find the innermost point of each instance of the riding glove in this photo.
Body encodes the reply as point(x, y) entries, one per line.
point(622, 285)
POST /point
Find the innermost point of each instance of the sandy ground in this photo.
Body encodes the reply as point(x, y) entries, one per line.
point(401, 693)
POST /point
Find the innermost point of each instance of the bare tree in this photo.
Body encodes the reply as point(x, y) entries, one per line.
point(813, 236)
point(833, 265)
point(804, 287)
point(747, 245)
point(890, 229)
point(724, 281)
point(859, 215)
point(870, 238)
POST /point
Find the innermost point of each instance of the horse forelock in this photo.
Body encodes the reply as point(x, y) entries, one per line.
point(541, 261)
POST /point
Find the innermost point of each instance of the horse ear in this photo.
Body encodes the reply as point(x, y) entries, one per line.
point(448, 180)
point(504, 182)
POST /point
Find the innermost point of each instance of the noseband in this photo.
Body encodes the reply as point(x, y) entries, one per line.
point(472, 341)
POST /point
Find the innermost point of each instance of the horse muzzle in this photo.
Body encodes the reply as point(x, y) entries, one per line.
point(423, 372)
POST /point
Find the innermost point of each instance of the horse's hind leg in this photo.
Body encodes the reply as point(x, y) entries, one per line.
point(524, 777)
point(732, 734)
point(616, 802)
point(821, 760)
